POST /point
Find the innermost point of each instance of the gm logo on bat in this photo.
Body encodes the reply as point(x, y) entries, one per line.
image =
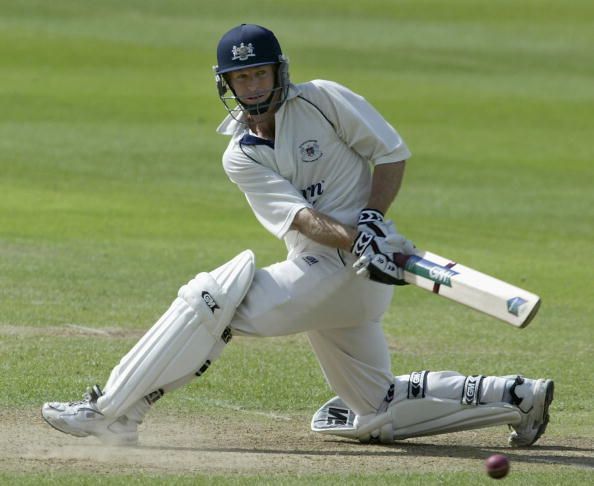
point(432, 271)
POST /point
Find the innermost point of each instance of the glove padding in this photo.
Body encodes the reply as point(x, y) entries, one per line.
point(385, 239)
point(380, 268)
point(375, 245)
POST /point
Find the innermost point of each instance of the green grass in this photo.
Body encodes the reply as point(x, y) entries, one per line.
point(112, 194)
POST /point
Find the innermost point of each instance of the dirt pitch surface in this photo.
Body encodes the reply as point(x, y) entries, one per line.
point(242, 443)
point(257, 443)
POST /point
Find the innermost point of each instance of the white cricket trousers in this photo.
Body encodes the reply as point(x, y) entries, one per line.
point(320, 294)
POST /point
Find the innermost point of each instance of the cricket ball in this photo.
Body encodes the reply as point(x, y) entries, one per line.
point(497, 466)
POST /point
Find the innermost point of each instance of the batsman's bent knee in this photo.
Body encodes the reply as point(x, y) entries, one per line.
point(185, 340)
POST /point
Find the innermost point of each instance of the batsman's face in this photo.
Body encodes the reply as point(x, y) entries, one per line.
point(252, 85)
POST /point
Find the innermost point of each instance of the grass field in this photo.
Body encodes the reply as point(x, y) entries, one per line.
point(112, 195)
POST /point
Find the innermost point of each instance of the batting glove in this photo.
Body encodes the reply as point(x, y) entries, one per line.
point(375, 244)
point(378, 236)
point(372, 221)
point(371, 232)
point(380, 268)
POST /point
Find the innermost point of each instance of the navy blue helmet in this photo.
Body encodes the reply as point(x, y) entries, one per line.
point(245, 46)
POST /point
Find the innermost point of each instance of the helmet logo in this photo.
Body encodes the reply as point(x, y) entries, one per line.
point(242, 52)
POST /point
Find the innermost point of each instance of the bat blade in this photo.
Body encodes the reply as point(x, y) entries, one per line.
point(470, 287)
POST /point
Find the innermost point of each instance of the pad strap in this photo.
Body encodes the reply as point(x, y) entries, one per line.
point(471, 392)
point(417, 384)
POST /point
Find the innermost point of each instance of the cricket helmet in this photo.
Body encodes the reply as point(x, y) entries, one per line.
point(246, 46)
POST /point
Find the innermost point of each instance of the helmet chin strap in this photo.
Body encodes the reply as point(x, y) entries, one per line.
point(258, 108)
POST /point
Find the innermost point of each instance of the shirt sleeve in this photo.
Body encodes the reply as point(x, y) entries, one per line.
point(360, 125)
point(273, 199)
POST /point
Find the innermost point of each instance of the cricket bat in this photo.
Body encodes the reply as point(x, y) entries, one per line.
point(474, 289)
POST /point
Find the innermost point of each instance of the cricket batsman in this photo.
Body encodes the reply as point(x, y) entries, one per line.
point(319, 167)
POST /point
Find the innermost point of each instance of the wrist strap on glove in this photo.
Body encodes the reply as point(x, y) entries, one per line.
point(371, 220)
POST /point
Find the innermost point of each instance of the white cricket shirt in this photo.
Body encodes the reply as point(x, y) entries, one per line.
point(326, 138)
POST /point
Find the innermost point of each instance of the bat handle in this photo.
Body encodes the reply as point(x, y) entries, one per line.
point(401, 259)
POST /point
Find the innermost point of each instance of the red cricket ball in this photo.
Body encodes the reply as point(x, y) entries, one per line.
point(497, 466)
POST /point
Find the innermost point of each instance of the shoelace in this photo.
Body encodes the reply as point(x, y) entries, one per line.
point(86, 399)
point(91, 395)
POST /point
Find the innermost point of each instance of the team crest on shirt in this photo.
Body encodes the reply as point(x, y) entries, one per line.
point(242, 52)
point(310, 151)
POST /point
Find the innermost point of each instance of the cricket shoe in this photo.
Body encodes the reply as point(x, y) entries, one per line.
point(83, 418)
point(533, 398)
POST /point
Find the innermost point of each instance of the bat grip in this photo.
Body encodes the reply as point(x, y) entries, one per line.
point(400, 259)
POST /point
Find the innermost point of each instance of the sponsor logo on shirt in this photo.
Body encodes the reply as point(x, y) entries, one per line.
point(313, 192)
point(310, 151)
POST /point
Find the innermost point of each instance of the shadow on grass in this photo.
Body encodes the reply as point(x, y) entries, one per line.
point(554, 455)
